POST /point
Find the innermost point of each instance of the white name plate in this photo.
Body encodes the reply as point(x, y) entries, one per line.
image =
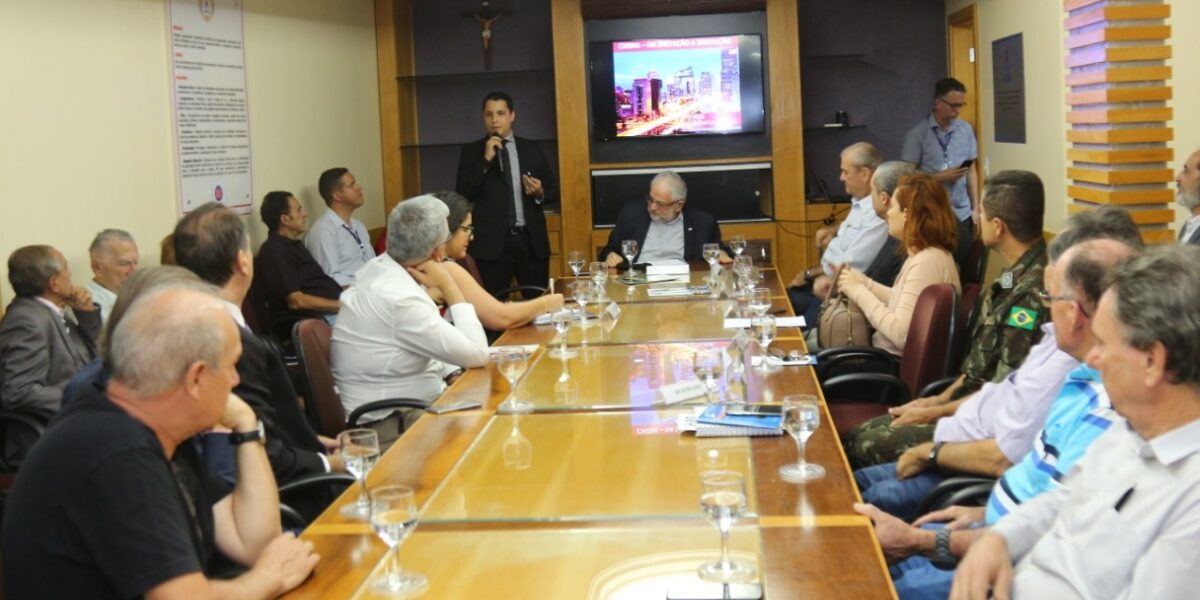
point(683, 390)
point(680, 269)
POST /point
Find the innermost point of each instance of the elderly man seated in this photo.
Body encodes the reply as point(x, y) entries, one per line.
point(114, 256)
point(390, 341)
point(665, 230)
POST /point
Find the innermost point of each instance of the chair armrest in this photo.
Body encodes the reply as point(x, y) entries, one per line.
point(856, 358)
point(357, 413)
point(509, 291)
point(888, 390)
point(290, 518)
point(957, 489)
point(317, 480)
point(937, 387)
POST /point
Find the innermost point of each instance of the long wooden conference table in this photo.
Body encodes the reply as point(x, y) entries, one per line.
point(594, 495)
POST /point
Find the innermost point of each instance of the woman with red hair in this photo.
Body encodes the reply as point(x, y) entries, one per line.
point(920, 217)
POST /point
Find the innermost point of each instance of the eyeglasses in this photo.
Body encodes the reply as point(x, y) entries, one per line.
point(467, 228)
point(661, 204)
point(1045, 298)
point(954, 105)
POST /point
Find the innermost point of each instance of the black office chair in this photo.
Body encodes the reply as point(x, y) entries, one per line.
point(957, 490)
point(302, 499)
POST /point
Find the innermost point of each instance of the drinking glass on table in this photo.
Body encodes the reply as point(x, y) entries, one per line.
point(575, 260)
point(737, 243)
point(599, 272)
point(708, 364)
point(712, 254)
point(760, 301)
point(582, 290)
point(801, 417)
point(562, 322)
point(723, 500)
point(512, 363)
point(394, 516)
point(359, 449)
point(629, 249)
point(764, 331)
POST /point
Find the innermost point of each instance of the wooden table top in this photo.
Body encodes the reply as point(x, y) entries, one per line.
point(594, 494)
point(624, 293)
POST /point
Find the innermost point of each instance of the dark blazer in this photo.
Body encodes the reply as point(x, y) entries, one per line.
point(491, 191)
point(699, 228)
point(292, 445)
point(38, 356)
point(887, 263)
point(1194, 240)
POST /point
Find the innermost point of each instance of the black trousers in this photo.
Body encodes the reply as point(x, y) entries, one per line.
point(517, 260)
point(966, 235)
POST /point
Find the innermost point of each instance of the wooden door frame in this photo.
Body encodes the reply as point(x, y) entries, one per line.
point(961, 18)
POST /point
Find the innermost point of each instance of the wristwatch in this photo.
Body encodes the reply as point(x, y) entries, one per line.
point(254, 435)
point(933, 453)
point(942, 557)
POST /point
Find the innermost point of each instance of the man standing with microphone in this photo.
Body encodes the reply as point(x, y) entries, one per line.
point(509, 180)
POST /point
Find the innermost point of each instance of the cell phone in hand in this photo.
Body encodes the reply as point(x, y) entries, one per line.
point(967, 163)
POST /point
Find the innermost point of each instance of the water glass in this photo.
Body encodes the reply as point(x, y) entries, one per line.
point(723, 500)
point(582, 290)
point(394, 517)
point(561, 320)
point(359, 449)
point(712, 254)
point(708, 365)
point(599, 272)
point(737, 243)
point(512, 364)
point(764, 331)
point(801, 417)
point(629, 249)
point(575, 260)
point(760, 301)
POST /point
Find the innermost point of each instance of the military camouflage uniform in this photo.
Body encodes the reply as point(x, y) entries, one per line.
point(1007, 326)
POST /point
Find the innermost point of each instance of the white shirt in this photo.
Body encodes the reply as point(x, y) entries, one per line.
point(1124, 524)
point(340, 249)
point(390, 341)
point(858, 239)
point(103, 297)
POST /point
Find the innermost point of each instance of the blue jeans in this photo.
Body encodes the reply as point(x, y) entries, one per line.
point(916, 578)
point(900, 497)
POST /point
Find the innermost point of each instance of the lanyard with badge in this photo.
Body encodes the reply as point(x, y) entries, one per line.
point(945, 144)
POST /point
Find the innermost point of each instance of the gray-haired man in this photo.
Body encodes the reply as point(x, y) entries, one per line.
point(114, 256)
point(390, 341)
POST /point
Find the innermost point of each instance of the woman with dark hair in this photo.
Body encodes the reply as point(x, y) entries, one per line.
point(494, 314)
point(920, 217)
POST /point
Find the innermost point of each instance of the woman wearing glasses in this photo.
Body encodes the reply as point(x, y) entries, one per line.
point(494, 314)
point(920, 217)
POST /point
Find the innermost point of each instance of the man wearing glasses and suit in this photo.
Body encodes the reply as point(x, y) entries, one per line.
point(664, 230)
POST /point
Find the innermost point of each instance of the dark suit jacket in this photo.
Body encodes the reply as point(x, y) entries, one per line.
point(699, 228)
point(491, 191)
point(887, 262)
point(1194, 240)
point(38, 356)
point(292, 445)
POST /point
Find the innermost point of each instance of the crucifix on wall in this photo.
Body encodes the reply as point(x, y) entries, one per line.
point(486, 15)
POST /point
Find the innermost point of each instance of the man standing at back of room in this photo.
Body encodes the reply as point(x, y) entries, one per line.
point(339, 242)
point(939, 145)
point(509, 179)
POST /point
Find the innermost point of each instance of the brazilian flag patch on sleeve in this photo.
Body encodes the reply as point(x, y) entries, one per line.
point(1022, 318)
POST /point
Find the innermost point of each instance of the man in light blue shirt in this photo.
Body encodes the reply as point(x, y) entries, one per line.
point(941, 144)
point(339, 242)
point(856, 242)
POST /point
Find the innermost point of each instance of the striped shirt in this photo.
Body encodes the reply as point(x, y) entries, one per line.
point(1080, 413)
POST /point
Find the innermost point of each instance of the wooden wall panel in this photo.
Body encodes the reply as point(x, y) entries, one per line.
point(570, 94)
point(787, 136)
point(397, 101)
point(1118, 113)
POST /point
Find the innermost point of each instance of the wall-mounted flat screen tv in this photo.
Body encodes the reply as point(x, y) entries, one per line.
point(653, 88)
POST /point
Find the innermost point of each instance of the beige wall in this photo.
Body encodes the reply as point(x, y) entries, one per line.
point(1044, 153)
point(1041, 22)
point(86, 138)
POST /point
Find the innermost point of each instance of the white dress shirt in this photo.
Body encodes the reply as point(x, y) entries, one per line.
point(340, 248)
point(103, 297)
point(391, 342)
point(858, 239)
point(1124, 524)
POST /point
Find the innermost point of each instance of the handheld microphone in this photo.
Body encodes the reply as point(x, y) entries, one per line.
point(497, 158)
